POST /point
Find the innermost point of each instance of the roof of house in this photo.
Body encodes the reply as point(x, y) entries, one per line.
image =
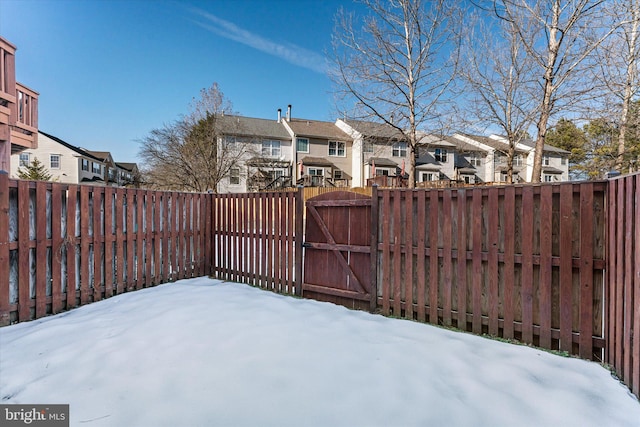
point(250, 126)
point(463, 146)
point(378, 130)
point(531, 143)
point(383, 162)
point(102, 155)
point(426, 139)
point(317, 129)
point(491, 142)
point(78, 150)
point(127, 166)
point(316, 161)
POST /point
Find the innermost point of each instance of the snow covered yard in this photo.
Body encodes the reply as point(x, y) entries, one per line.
point(200, 352)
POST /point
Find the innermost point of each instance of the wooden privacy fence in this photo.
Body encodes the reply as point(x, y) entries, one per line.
point(519, 262)
point(622, 321)
point(67, 245)
point(257, 239)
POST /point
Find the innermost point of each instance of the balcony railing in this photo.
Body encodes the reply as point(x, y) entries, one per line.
point(26, 108)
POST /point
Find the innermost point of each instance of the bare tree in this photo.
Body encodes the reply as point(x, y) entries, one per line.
point(618, 72)
point(397, 64)
point(498, 81)
point(560, 36)
point(193, 153)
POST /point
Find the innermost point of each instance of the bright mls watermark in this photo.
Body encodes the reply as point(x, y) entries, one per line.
point(34, 415)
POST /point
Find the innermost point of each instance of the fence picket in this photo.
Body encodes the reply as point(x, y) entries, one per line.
point(41, 249)
point(24, 292)
point(56, 249)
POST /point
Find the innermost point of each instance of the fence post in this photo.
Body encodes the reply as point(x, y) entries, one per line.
point(299, 239)
point(373, 304)
point(4, 249)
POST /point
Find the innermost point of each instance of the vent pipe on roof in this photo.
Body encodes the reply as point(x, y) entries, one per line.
point(289, 112)
point(279, 115)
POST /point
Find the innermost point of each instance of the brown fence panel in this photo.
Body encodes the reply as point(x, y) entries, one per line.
point(519, 262)
point(256, 239)
point(623, 277)
point(68, 245)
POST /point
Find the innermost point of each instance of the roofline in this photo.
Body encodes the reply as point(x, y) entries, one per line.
point(71, 147)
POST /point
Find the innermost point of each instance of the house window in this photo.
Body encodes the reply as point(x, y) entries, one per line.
point(54, 161)
point(303, 145)
point(275, 174)
point(441, 155)
point(546, 161)
point(315, 171)
point(270, 148)
point(475, 160)
point(85, 165)
point(337, 174)
point(234, 178)
point(548, 178)
point(24, 159)
point(518, 160)
point(429, 176)
point(367, 147)
point(399, 149)
point(95, 167)
point(337, 148)
point(229, 140)
point(563, 161)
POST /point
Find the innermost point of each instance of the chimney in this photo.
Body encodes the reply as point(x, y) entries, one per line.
point(289, 112)
point(279, 115)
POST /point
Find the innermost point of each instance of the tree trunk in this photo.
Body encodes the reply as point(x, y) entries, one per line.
point(628, 90)
point(546, 106)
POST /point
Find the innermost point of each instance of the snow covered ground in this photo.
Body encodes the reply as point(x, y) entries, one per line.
point(204, 353)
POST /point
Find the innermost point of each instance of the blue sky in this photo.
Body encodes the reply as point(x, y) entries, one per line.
point(110, 71)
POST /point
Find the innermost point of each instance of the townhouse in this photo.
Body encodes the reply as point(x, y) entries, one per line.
point(68, 163)
point(288, 151)
point(488, 156)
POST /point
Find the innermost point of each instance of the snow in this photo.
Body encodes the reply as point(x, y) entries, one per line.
point(201, 352)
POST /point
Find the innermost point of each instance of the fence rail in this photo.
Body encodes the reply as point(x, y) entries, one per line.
point(68, 245)
point(520, 262)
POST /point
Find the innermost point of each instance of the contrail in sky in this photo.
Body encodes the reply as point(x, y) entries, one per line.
point(291, 53)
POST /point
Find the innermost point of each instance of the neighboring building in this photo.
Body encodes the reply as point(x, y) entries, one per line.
point(71, 164)
point(378, 149)
point(266, 154)
point(322, 153)
point(125, 175)
point(436, 160)
point(492, 166)
point(286, 151)
point(18, 109)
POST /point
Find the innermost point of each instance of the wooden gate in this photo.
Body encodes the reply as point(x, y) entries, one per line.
point(337, 261)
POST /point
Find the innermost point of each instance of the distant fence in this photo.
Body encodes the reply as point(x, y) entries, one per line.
point(622, 321)
point(519, 262)
point(63, 245)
